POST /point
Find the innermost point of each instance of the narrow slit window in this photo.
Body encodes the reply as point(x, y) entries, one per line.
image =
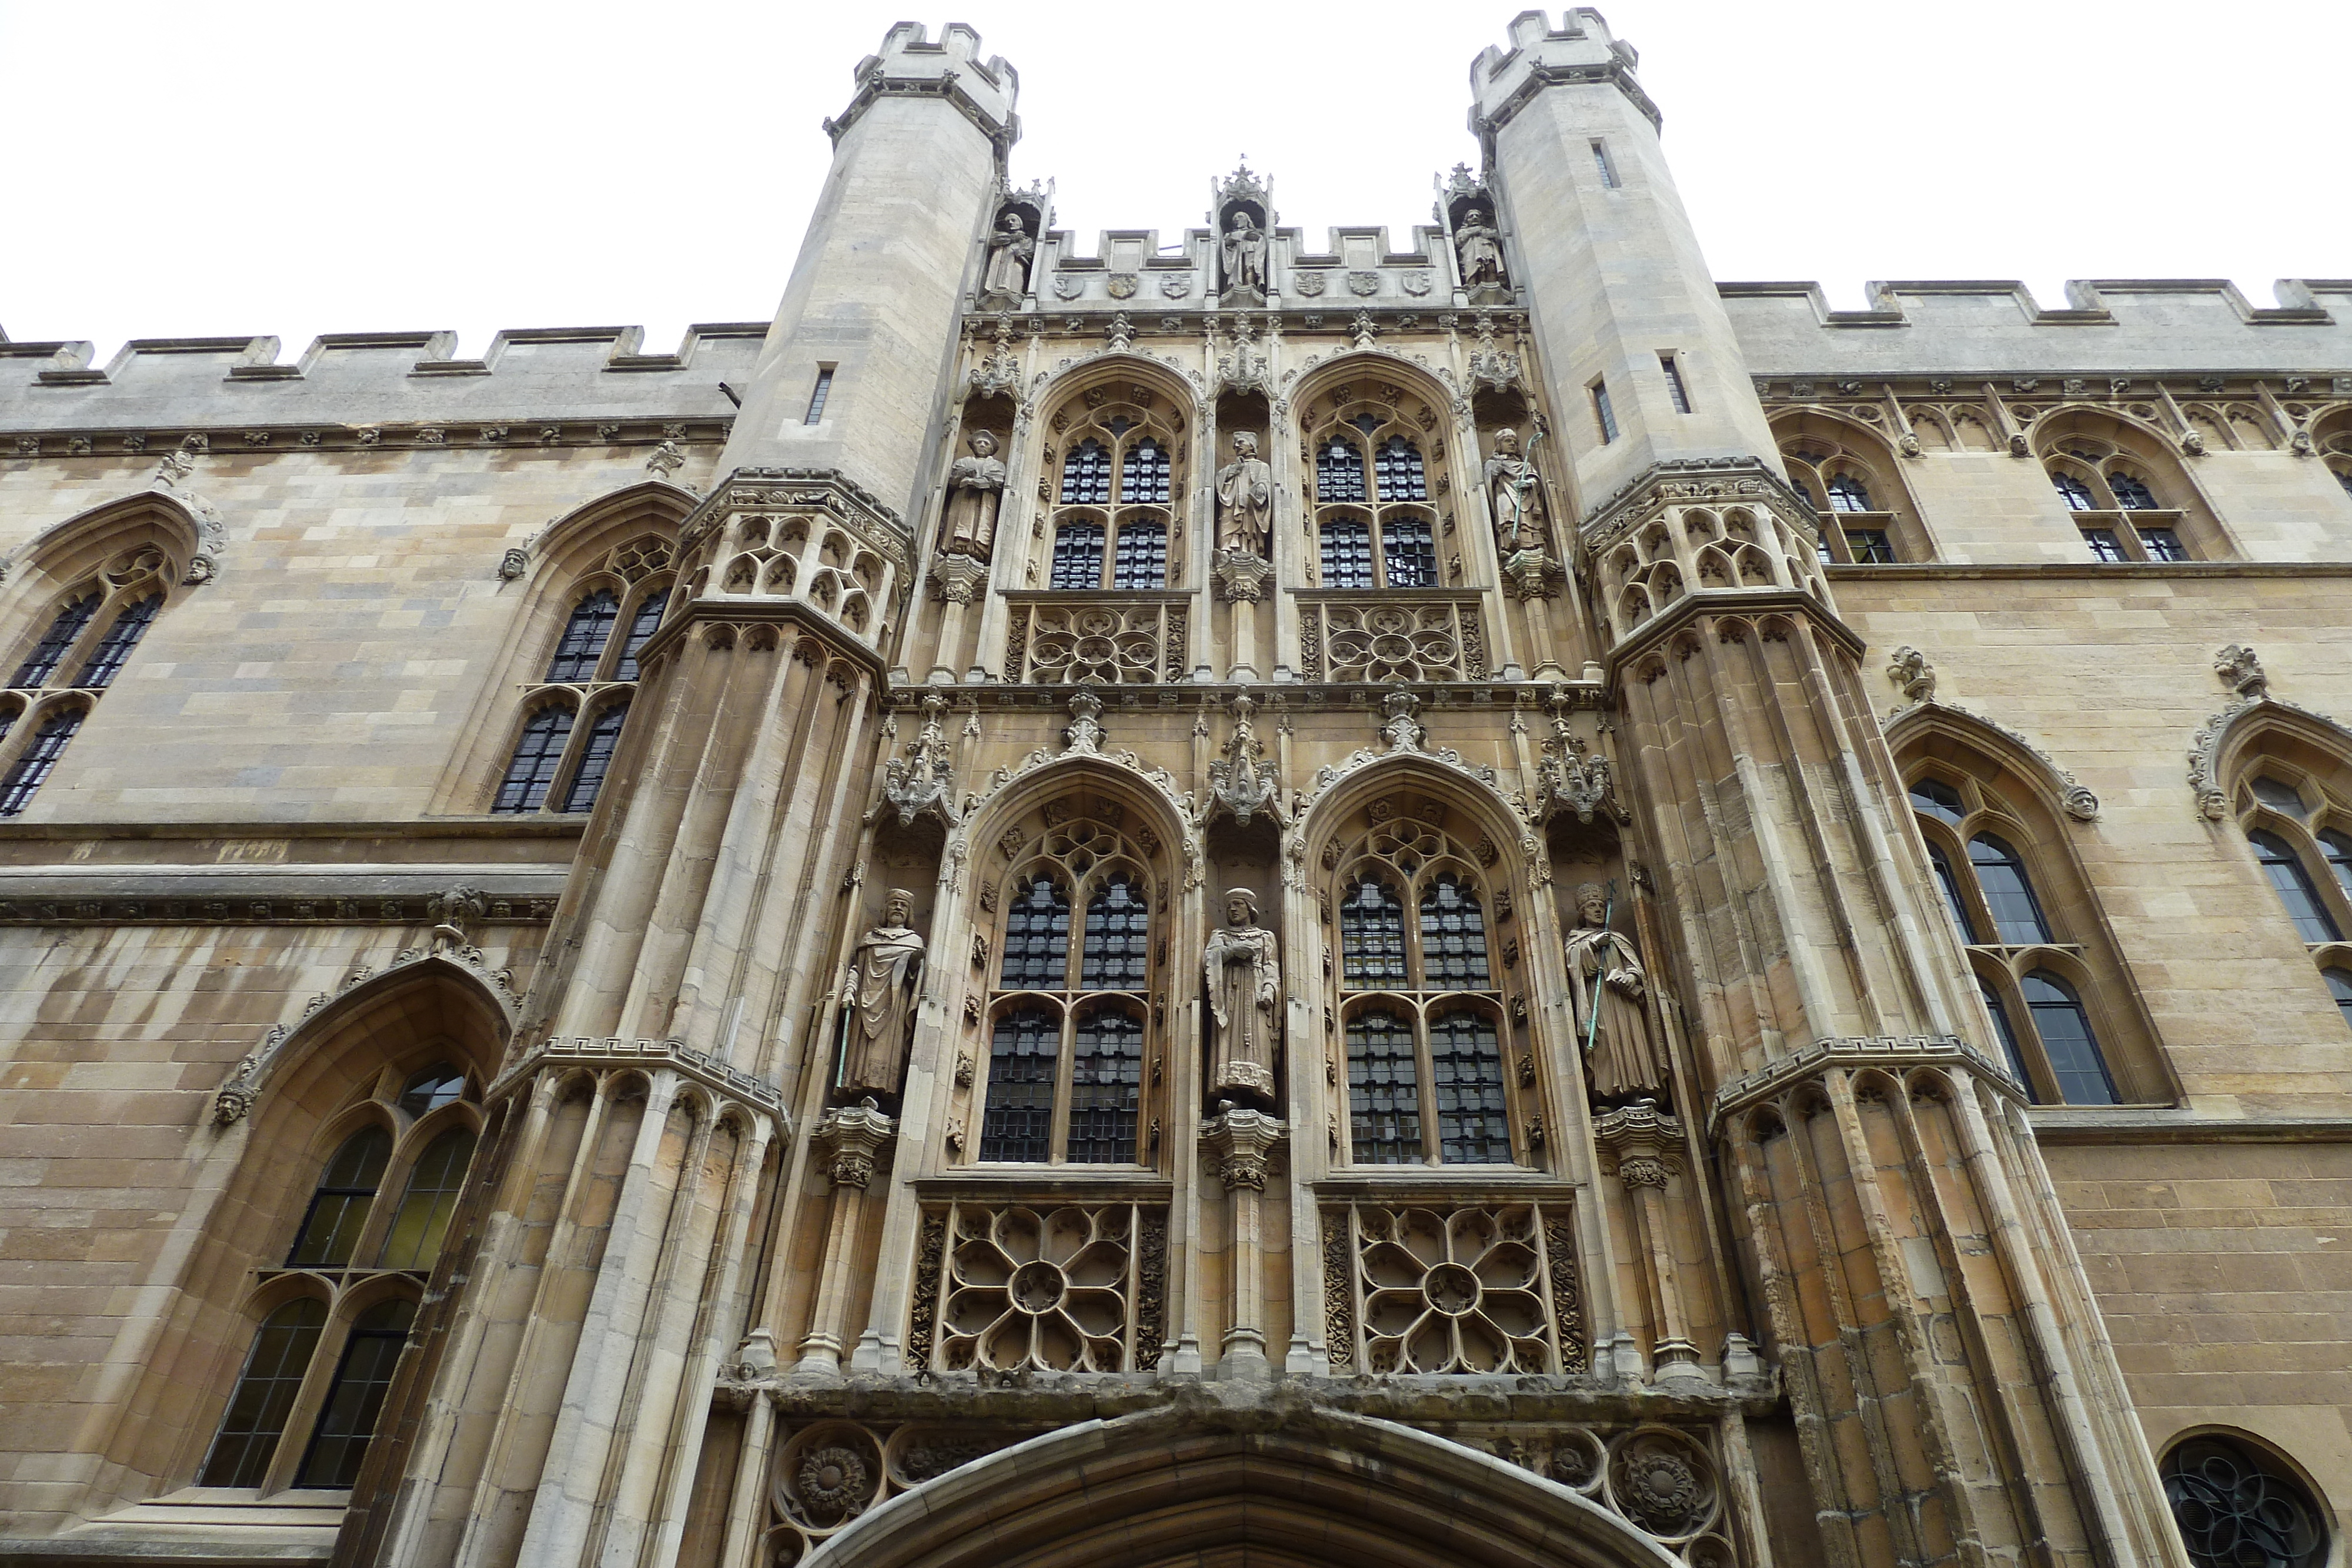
point(1950, 883)
point(1383, 1090)
point(596, 757)
point(2007, 1033)
point(1106, 1087)
point(1022, 1058)
point(355, 1399)
point(817, 394)
point(1605, 415)
point(258, 1412)
point(39, 760)
point(2000, 873)
point(2338, 847)
point(2339, 986)
point(1677, 394)
point(1602, 161)
point(1466, 1067)
point(42, 663)
point(538, 753)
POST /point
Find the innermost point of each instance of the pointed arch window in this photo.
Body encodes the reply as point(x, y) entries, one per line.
point(2132, 492)
point(642, 626)
point(72, 619)
point(1077, 556)
point(1369, 460)
point(1142, 561)
point(1399, 470)
point(422, 1221)
point(89, 638)
point(2075, 493)
point(1453, 937)
point(596, 757)
point(1143, 477)
point(355, 1399)
point(1848, 494)
point(2067, 1039)
point(1383, 1090)
point(2293, 886)
point(1086, 475)
point(1037, 938)
point(1347, 553)
point(1338, 471)
point(37, 761)
point(1106, 1085)
point(122, 634)
point(581, 648)
point(264, 1400)
point(1116, 955)
point(1371, 936)
point(538, 758)
point(340, 1204)
point(2000, 873)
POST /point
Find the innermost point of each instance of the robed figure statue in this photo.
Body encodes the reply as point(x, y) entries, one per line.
point(1009, 250)
point(1605, 975)
point(1245, 984)
point(1245, 252)
point(877, 1002)
point(1480, 246)
point(1516, 495)
point(1245, 501)
point(976, 490)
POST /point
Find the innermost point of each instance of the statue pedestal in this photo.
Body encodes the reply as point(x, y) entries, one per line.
point(1242, 1142)
point(1241, 579)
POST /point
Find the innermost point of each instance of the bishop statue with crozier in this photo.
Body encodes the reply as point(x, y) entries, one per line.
point(877, 1003)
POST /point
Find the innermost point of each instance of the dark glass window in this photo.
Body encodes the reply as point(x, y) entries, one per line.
point(1608, 170)
point(2016, 914)
point(2067, 1041)
point(356, 1397)
point(1086, 475)
point(1347, 554)
point(423, 1218)
point(2163, 544)
point(73, 617)
point(1371, 937)
point(1105, 1086)
point(1117, 930)
point(1677, 394)
point(1950, 883)
point(2340, 984)
point(1077, 556)
point(1453, 937)
point(818, 393)
point(1805, 493)
point(2338, 847)
point(1465, 1067)
point(257, 1413)
point(1821, 548)
point(1022, 1056)
point(584, 636)
point(1397, 467)
point(536, 754)
point(427, 1091)
point(596, 756)
point(2103, 545)
point(647, 621)
point(1870, 547)
point(1037, 938)
point(2008, 1032)
point(1143, 480)
point(1848, 494)
point(1383, 1090)
point(37, 761)
point(1142, 557)
point(2344, 478)
point(2278, 796)
point(1603, 412)
point(1339, 471)
point(1409, 553)
point(1939, 800)
point(339, 1207)
point(106, 659)
point(2233, 1512)
point(2131, 494)
point(2293, 884)
point(2075, 493)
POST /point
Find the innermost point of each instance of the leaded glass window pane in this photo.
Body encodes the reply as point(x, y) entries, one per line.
point(1383, 1090)
point(1077, 556)
point(2008, 1032)
point(2016, 914)
point(73, 617)
point(538, 753)
point(1848, 494)
point(1870, 547)
point(1022, 1056)
point(2075, 493)
point(2293, 884)
point(1118, 933)
point(1950, 883)
point(1142, 557)
point(339, 1206)
point(2131, 494)
point(1106, 1087)
point(1086, 475)
point(37, 761)
point(427, 1091)
point(356, 1397)
point(642, 627)
point(1347, 554)
point(106, 659)
point(584, 636)
point(2103, 545)
point(2163, 544)
point(1408, 552)
point(1037, 938)
point(1143, 480)
point(256, 1417)
point(1371, 937)
point(1339, 471)
point(2338, 847)
point(1466, 1066)
point(423, 1218)
point(1453, 937)
point(596, 756)
point(2339, 985)
point(2067, 1041)
point(1939, 800)
point(1398, 467)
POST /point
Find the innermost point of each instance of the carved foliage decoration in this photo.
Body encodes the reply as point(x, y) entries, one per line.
point(1078, 1288)
point(1479, 1289)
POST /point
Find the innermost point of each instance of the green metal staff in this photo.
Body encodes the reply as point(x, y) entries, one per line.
point(1600, 976)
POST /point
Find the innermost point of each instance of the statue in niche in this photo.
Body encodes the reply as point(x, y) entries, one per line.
point(1245, 982)
point(1516, 496)
point(1480, 246)
point(975, 491)
point(1245, 501)
point(877, 1002)
point(1009, 250)
point(1621, 1061)
point(1245, 252)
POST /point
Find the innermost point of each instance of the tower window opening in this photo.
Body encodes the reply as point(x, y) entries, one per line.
point(816, 398)
point(1609, 180)
point(1603, 412)
point(1677, 394)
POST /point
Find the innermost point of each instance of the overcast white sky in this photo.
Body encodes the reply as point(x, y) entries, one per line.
point(225, 169)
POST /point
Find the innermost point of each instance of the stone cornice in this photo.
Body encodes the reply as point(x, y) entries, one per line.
point(521, 432)
point(1741, 604)
point(1691, 480)
point(1002, 134)
point(1614, 73)
point(1852, 1053)
point(648, 1055)
point(1274, 701)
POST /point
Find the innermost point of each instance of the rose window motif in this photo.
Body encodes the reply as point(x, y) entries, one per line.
point(826, 1475)
point(1110, 645)
point(832, 1481)
point(1663, 1482)
point(1393, 643)
point(1459, 1292)
point(2232, 1508)
point(1031, 1290)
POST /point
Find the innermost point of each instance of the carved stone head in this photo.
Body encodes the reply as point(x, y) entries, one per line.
point(1240, 906)
point(1592, 903)
point(1245, 445)
point(983, 444)
point(1012, 225)
point(1507, 442)
point(1473, 217)
point(897, 905)
point(1242, 222)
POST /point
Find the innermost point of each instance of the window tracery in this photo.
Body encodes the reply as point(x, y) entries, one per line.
point(1373, 524)
point(87, 635)
point(1113, 525)
point(1850, 476)
point(2295, 806)
point(2126, 493)
point(2236, 1507)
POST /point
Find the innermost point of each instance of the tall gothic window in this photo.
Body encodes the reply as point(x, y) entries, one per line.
point(1113, 525)
point(1071, 1015)
point(1372, 486)
point(2123, 483)
point(1424, 1025)
point(84, 640)
point(1837, 464)
point(2297, 814)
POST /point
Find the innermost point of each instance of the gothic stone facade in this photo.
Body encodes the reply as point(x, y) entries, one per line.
point(1260, 900)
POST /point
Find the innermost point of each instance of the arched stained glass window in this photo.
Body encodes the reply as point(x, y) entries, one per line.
point(2339, 986)
point(596, 756)
point(429, 1090)
point(1848, 494)
point(2338, 847)
point(2007, 1033)
point(1466, 1065)
point(72, 618)
point(1453, 937)
point(1037, 938)
point(1116, 954)
point(1143, 478)
point(1142, 561)
point(37, 761)
point(122, 634)
point(1086, 475)
point(339, 1206)
point(423, 1218)
point(1338, 471)
point(1398, 468)
point(264, 1393)
point(2131, 494)
point(1383, 1090)
point(1106, 1087)
point(2293, 884)
point(538, 753)
point(584, 636)
point(642, 626)
point(1077, 556)
point(1371, 937)
point(2075, 493)
point(355, 1399)
point(1950, 883)
point(1022, 1056)
point(2016, 914)
point(1408, 552)
point(1347, 554)
point(2067, 1039)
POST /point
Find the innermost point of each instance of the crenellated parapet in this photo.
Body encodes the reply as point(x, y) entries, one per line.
point(1581, 50)
point(911, 66)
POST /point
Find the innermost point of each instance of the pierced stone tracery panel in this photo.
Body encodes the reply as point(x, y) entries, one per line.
point(1386, 641)
point(829, 1474)
point(1009, 1287)
point(1120, 644)
point(1479, 1289)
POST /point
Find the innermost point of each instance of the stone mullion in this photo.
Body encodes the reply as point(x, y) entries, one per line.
point(747, 1503)
point(1312, 1098)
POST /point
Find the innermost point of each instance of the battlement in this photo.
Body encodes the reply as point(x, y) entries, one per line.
point(910, 65)
point(1581, 49)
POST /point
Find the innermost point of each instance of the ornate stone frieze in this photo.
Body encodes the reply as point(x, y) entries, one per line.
point(649, 1055)
point(278, 907)
point(1895, 1053)
point(1124, 641)
point(1391, 639)
point(1447, 1288)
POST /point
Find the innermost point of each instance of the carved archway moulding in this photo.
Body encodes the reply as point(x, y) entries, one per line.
point(194, 529)
point(1339, 789)
point(1010, 793)
point(583, 531)
point(2222, 740)
point(1930, 714)
point(1050, 389)
point(1282, 1483)
point(1434, 384)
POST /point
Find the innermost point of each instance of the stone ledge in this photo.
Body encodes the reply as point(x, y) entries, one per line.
point(2086, 571)
point(2087, 1126)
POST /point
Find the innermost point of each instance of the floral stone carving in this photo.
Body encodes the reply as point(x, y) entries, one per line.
point(1465, 1291)
point(1045, 1289)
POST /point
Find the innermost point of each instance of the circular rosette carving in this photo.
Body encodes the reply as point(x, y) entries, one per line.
point(1044, 1291)
point(1453, 1292)
point(828, 1475)
point(1577, 1460)
point(1389, 643)
point(1664, 1482)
